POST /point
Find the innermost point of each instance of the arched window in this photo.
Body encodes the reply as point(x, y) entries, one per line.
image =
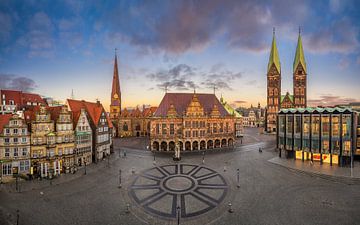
point(125, 127)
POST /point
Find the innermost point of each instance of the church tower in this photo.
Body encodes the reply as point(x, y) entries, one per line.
point(115, 106)
point(299, 79)
point(273, 86)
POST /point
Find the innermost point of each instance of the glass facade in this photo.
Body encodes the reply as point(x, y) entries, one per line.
point(323, 135)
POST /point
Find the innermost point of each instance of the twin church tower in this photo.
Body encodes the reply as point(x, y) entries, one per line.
point(276, 101)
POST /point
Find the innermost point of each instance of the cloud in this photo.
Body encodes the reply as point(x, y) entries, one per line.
point(177, 77)
point(69, 32)
point(39, 39)
point(239, 102)
point(330, 100)
point(180, 26)
point(251, 82)
point(184, 77)
point(6, 27)
point(338, 37)
point(14, 82)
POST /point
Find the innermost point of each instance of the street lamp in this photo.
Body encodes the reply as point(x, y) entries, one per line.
point(238, 178)
point(120, 178)
point(178, 214)
point(85, 167)
point(17, 216)
point(154, 162)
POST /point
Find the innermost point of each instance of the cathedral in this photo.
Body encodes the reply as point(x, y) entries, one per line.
point(276, 101)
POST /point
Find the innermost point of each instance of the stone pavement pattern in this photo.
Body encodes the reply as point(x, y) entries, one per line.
point(268, 193)
point(195, 189)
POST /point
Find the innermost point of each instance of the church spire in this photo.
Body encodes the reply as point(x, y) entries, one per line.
point(274, 54)
point(299, 55)
point(116, 82)
point(115, 106)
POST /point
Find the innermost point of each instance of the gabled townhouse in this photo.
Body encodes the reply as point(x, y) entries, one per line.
point(14, 147)
point(83, 137)
point(100, 124)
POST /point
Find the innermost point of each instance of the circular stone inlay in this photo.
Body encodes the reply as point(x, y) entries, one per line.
point(178, 183)
point(195, 189)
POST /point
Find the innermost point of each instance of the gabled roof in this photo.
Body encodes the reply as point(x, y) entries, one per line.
point(4, 120)
point(94, 109)
point(299, 56)
point(54, 112)
point(231, 110)
point(182, 100)
point(274, 56)
point(21, 98)
point(291, 97)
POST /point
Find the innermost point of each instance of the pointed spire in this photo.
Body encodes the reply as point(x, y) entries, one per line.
point(274, 55)
point(115, 83)
point(299, 54)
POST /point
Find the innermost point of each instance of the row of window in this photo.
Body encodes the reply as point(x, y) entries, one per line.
point(15, 140)
point(316, 145)
point(52, 152)
point(102, 138)
point(7, 167)
point(315, 125)
point(103, 129)
point(83, 139)
point(16, 152)
point(15, 131)
point(211, 127)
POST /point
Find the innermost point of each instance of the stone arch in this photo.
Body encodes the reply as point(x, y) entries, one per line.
point(171, 146)
point(202, 145)
point(187, 145)
point(223, 143)
point(231, 142)
point(195, 145)
point(155, 146)
point(210, 144)
point(164, 146)
point(181, 145)
point(217, 143)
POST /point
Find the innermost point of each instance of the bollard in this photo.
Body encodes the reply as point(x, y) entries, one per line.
point(127, 208)
point(17, 217)
point(238, 178)
point(132, 170)
point(119, 178)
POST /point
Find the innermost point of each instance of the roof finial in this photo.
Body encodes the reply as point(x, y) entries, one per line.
point(115, 51)
point(166, 89)
point(194, 90)
point(273, 31)
point(214, 88)
point(299, 30)
point(72, 94)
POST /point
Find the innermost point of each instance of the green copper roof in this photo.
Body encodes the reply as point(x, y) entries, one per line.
point(299, 55)
point(290, 96)
point(230, 109)
point(316, 109)
point(274, 56)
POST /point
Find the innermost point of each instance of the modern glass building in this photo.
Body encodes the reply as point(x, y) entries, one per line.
point(327, 135)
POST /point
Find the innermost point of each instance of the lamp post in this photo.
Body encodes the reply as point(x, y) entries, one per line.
point(17, 216)
point(238, 178)
point(124, 153)
point(120, 178)
point(203, 157)
point(85, 167)
point(178, 214)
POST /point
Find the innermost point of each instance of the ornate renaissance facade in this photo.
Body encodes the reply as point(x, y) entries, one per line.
point(14, 146)
point(276, 101)
point(192, 122)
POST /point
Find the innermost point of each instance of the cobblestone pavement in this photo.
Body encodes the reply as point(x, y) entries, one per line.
point(267, 193)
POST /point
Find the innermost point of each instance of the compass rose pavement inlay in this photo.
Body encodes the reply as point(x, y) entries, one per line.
point(196, 189)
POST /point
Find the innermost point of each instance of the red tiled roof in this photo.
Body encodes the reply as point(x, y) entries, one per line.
point(21, 98)
point(4, 119)
point(182, 100)
point(93, 109)
point(54, 112)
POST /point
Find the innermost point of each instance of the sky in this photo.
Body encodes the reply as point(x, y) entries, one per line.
point(54, 47)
